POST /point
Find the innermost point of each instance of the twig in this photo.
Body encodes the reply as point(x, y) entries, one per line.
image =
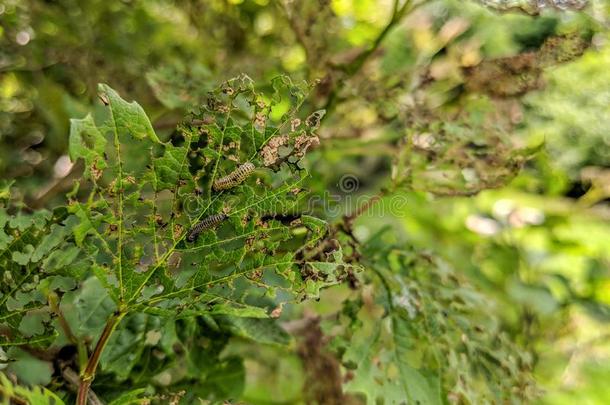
point(296, 29)
point(74, 381)
point(52, 298)
point(318, 361)
point(65, 326)
point(348, 220)
point(397, 14)
point(57, 186)
point(353, 67)
point(88, 374)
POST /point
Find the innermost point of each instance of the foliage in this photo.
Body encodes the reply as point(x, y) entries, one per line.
point(577, 121)
point(16, 394)
point(130, 234)
point(129, 277)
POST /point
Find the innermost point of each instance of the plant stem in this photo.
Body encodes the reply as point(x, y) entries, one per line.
point(65, 326)
point(88, 374)
point(353, 67)
point(74, 383)
point(348, 220)
point(397, 14)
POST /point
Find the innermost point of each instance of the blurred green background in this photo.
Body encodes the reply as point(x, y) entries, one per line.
point(539, 247)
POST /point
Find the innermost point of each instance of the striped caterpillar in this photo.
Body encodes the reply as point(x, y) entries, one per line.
point(207, 223)
point(234, 178)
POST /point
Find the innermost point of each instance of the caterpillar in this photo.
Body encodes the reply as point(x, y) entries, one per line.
point(207, 223)
point(234, 178)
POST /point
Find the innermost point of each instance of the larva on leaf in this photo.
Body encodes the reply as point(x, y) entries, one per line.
point(234, 178)
point(207, 223)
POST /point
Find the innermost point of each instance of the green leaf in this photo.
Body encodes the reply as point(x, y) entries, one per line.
point(242, 310)
point(127, 344)
point(87, 223)
point(134, 397)
point(5, 189)
point(60, 259)
point(370, 380)
point(28, 368)
point(265, 331)
point(53, 239)
point(87, 142)
point(415, 385)
point(5, 239)
point(128, 118)
point(31, 395)
point(226, 379)
point(171, 167)
point(23, 221)
point(316, 225)
point(24, 257)
point(32, 323)
point(536, 298)
point(87, 308)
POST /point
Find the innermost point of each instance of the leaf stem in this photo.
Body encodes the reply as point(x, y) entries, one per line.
point(117, 145)
point(88, 374)
point(65, 326)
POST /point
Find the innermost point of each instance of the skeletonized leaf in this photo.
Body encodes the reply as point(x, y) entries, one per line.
point(533, 7)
